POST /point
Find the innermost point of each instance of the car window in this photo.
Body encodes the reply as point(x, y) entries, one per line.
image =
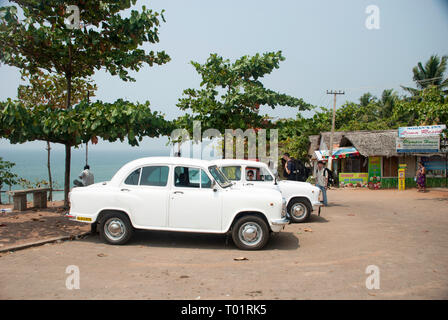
point(232, 172)
point(154, 176)
point(258, 174)
point(187, 177)
point(133, 178)
point(205, 180)
point(219, 176)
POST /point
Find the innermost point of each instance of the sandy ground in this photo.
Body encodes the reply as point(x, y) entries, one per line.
point(403, 233)
point(20, 228)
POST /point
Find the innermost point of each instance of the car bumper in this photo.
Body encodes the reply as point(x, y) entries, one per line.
point(278, 225)
point(78, 218)
point(317, 206)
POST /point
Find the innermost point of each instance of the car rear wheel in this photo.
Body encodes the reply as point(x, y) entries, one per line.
point(299, 210)
point(250, 233)
point(115, 228)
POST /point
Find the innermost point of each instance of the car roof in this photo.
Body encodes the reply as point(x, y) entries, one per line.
point(223, 162)
point(123, 172)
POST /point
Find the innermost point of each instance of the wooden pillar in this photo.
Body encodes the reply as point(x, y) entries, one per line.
point(19, 201)
point(40, 199)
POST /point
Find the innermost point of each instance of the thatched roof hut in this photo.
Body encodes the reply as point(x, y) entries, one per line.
point(368, 143)
point(326, 136)
point(372, 143)
point(314, 143)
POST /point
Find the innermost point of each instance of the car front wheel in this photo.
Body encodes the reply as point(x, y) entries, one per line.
point(115, 228)
point(299, 210)
point(250, 233)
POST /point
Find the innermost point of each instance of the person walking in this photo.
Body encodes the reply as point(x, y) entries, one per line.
point(322, 180)
point(421, 177)
point(86, 177)
point(290, 167)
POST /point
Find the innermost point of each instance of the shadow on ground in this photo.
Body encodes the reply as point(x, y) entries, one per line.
point(317, 219)
point(166, 239)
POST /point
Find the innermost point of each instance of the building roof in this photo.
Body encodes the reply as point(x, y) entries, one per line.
point(314, 143)
point(372, 143)
point(368, 143)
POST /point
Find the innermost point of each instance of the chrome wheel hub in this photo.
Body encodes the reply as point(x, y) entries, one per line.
point(250, 233)
point(298, 210)
point(114, 228)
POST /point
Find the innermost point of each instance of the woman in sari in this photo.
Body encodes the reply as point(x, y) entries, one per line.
point(421, 177)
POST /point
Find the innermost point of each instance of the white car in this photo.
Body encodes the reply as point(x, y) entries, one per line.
point(178, 194)
point(302, 198)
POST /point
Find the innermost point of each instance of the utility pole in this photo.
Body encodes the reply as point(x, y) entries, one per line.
point(330, 159)
point(87, 143)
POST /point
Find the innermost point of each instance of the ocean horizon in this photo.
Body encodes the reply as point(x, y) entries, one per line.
point(31, 164)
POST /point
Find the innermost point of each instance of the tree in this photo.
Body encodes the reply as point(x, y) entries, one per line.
point(430, 108)
point(104, 39)
point(51, 91)
point(387, 103)
point(432, 74)
point(231, 93)
point(366, 99)
point(6, 176)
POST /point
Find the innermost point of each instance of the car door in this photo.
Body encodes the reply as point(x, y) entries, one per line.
point(194, 205)
point(147, 193)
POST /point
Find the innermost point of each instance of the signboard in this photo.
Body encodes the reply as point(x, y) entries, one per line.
point(422, 131)
point(354, 178)
point(418, 144)
point(401, 178)
point(374, 168)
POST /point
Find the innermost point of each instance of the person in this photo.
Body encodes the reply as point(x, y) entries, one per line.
point(250, 175)
point(421, 177)
point(290, 169)
point(322, 180)
point(86, 177)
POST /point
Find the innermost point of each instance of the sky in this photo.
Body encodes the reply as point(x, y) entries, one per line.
point(326, 44)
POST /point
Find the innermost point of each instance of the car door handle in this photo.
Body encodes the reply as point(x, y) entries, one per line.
point(249, 184)
point(178, 192)
point(125, 190)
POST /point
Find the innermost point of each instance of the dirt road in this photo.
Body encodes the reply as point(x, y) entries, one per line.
point(404, 234)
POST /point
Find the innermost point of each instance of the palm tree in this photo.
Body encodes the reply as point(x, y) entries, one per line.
point(429, 75)
point(387, 102)
point(366, 99)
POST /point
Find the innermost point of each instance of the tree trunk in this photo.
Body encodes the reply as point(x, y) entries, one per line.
point(67, 174)
point(68, 76)
point(50, 179)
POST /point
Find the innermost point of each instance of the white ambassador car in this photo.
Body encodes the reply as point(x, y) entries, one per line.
point(302, 198)
point(178, 194)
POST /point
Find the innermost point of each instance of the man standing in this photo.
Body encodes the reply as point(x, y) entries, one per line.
point(290, 167)
point(86, 177)
point(322, 180)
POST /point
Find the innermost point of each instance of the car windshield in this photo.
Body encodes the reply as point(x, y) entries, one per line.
point(219, 176)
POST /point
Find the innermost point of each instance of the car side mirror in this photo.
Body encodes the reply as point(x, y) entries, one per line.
point(214, 186)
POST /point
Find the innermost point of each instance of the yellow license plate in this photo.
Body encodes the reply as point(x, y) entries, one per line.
point(83, 219)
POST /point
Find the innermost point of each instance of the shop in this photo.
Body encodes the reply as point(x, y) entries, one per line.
point(373, 158)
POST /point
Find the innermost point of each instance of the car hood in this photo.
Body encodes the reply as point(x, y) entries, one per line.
point(291, 183)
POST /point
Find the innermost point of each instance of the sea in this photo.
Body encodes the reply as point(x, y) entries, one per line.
point(32, 164)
